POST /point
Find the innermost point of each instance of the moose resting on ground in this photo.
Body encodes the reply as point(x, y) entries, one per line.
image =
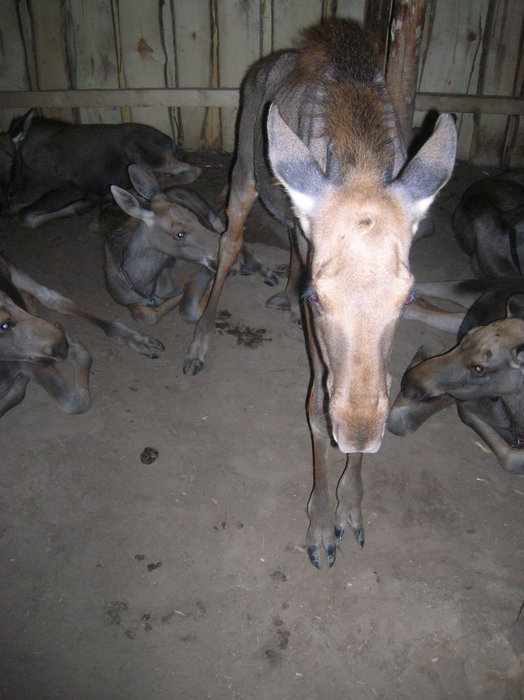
point(323, 116)
point(489, 225)
point(29, 345)
point(51, 169)
point(482, 374)
point(163, 254)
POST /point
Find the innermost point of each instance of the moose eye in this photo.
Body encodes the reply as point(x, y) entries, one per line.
point(311, 296)
point(5, 326)
point(180, 234)
point(477, 370)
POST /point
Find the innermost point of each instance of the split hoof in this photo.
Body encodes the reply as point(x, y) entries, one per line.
point(192, 366)
point(359, 535)
point(330, 552)
point(278, 301)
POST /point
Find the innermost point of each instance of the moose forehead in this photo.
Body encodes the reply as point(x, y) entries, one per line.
point(361, 226)
point(494, 340)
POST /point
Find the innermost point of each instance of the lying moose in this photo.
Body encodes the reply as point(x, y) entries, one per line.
point(51, 169)
point(163, 254)
point(489, 225)
point(30, 346)
point(482, 374)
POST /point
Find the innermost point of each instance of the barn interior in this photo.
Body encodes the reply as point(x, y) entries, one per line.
point(153, 546)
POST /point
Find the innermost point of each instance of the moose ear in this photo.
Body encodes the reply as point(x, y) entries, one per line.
point(515, 306)
point(294, 165)
point(19, 127)
point(130, 204)
point(143, 180)
point(428, 171)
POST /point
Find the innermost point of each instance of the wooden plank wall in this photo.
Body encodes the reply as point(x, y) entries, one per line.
point(469, 47)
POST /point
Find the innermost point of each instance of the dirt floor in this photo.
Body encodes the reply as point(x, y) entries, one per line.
point(186, 577)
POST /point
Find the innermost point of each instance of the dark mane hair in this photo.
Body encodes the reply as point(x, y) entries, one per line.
point(340, 61)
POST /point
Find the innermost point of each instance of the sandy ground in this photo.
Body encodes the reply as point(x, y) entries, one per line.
point(187, 577)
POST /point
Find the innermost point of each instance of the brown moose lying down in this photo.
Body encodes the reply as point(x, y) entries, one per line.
point(30, 346)
point(483, 375)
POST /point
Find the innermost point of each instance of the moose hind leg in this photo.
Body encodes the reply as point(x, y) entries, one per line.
point(349, 496)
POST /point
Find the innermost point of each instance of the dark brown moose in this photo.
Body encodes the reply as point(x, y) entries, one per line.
point(489, 225)
point(482, 374)
point(321, 118)
point(52, 169)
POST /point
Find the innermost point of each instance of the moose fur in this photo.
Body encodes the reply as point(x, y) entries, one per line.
point(319, 119)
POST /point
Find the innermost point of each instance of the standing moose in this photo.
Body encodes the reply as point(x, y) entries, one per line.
point(322, 117)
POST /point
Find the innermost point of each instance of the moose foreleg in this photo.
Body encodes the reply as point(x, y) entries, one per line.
point(349, 496)
point(510, 458)
point(321, 534)
point(241, 200)
point(71, 398)
point(14, 395)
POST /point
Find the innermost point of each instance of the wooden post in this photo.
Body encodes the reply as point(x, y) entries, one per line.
point(407, 25)
point(376, 26)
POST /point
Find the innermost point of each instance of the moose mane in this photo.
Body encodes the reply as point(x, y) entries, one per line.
point(338, 60)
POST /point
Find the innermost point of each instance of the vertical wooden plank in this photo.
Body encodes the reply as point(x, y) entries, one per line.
point(143, 56)
point(290, 17)
point(503, 37)
point(193, 45)
point(239, 46)
point(376, 24)
point(92, 52)
point(212, 118)
point(352, 9)
point(48, 24)
point(266, 28)
point(452, 39)
point(407, 23)
point(13, 69)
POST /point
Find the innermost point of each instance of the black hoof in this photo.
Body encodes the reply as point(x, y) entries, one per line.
point(281, 270)
point(278, 301)
point(331, 554)
point(245, 270)
point(359, 535)
point(339, 533)
point(271, 281)
point(192, 366)
point(313, 552)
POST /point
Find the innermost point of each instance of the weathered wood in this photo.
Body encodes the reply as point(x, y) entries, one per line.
point(502, 43)
point(193, 47)
point(146, 97)
point(407, 23)
point(236, 50)
point(92, 55)
point(49, 46)
point(144, 57)
point(228, 97)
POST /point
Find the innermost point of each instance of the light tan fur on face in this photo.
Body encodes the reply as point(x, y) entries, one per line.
point(360, 272)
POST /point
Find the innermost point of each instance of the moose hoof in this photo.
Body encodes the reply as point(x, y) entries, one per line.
point(313, 552)
point(331, 554)
point(339, 533)
point(193, 366)
point(271, 280)
point(359, 535)
point(278, 301)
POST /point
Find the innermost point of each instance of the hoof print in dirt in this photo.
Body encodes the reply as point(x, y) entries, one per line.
point(149, 455)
